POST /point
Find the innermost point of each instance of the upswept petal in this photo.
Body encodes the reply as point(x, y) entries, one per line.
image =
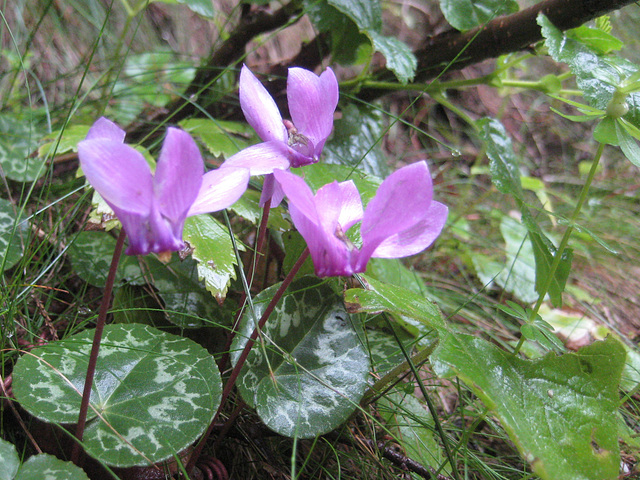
point(402, 201)
point(178, 174)
point(415, 239)
point(352, 211)
point(137, 228)
point(106, 129)
point(260, 109)
point(271, 190)
point(298, 193)
point(119, 173)
point(312, 102)
point(316, 218)
point(262, 158)
point(220, 189)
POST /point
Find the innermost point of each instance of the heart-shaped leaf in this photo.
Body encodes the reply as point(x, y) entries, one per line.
point(11, 232)
point(307, 372)
point(153, 394)
point(48, 467)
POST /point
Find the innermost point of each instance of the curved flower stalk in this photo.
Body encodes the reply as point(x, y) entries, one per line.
point(312, 101)
point(401, 219)
point(153, 207)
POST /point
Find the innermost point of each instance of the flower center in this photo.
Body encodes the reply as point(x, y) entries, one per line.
point(298, 141)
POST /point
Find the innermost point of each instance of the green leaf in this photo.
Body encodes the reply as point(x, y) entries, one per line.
point(400, 59)
point(504, 166)
point(544, 252)
point(213, 250)
point(294, 245)
point(348, 45)
point(517, 274)
point(69, 139)
point(628, 144)
point(154, 393)
point(605, 131)
point(505, 175)
point(308, 371)
point(467, 14)
point(9, 461)
point(380, 297)
point(411, 425)
point(560, 411)
point(596, 39)
point(12, 235)
point(201, 7)
point(356, 141)
point(18, 141)
point(384, 351)
point(48, 467)
point(187, 302)
point(222, 138)
point(367, 14)
point(91, 253)
point(596, 76)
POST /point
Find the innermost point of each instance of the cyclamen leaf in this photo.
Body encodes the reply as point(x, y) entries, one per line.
point(355, 141)
point(9, 461)
point(154, 393)
point(307, 372)
point(467, 14)
point(48, 467)
point(12, 235)
point(560, 411)
point(366, 13)
point(18, 141)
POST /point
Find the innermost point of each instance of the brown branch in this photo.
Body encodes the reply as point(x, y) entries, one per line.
point(229, 53)
point(456, 50)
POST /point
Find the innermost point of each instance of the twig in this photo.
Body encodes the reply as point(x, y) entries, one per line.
point(455, 50)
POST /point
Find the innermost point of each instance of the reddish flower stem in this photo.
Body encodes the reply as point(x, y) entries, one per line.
point(97, 337)
point(260, 242)
point(245, 353)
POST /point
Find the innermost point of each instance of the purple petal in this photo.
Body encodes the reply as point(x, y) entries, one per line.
point(150, 233)
point(316, 218)
point(402, 201)
point(417, 238)
point(271, 190)
point(178, 175)
point(351, 212)
point(220, 189)
point(107, 130)
point(119, 173)
point(260, 109)
point(262, 158)
point(312, 102)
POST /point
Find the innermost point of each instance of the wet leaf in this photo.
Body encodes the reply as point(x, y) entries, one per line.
point(154, 393)
point(467, 14)
point(48, 467)
point(560, 411)
point(308, 371)
point(13, 235)
point(213, 250)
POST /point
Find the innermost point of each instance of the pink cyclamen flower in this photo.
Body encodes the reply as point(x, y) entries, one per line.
point(401, 219)
point(312, 102)
point(153, 207)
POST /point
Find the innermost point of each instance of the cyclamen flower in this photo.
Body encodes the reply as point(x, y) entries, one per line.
point(153, 207)
point(312, 102)
point(401, 219)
